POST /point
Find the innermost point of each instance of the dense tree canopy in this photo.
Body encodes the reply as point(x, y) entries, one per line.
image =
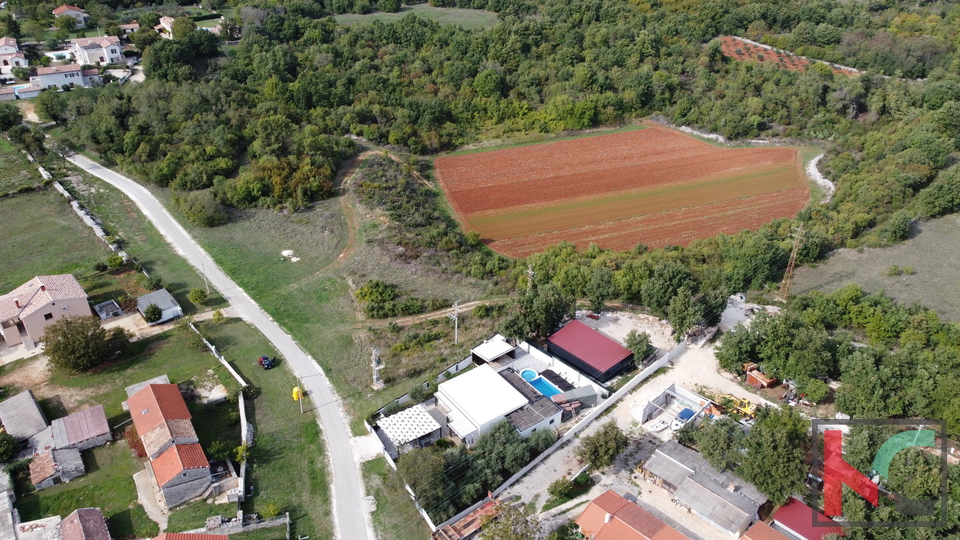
point(79, 343)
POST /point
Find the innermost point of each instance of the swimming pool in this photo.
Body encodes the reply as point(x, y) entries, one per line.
point(542, 385)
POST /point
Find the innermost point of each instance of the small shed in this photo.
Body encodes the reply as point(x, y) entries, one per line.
point(84, 524)
point(107, 309)
point(492, 350)
point(56, 466)
point(21, 416)
point(81, 430)
point(410, 428)
point(169, 307)
point(757, 378)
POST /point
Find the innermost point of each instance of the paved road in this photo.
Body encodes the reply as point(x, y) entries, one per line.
point(351, 519)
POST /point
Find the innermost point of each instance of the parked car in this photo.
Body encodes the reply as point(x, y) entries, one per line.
point(265, 362)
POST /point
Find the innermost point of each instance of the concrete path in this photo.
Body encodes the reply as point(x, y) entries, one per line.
point(351, 520)
point(149, 497)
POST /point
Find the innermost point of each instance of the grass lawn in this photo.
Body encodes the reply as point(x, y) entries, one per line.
point(470, 19)
point(933, 254)
point(273, 533)
point(108, 484)
point(288, 465)
point(121, 218)
point(18, 172)
point(395, 517)
point(42, 235)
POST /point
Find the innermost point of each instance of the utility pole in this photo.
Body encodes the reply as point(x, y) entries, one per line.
point(456, 322)
point(207, 284)
point(530, 274)
point(788, 275)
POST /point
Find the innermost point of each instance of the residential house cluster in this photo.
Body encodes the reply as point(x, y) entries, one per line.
point(177, 462)
point(55, 447)
point(78, 14)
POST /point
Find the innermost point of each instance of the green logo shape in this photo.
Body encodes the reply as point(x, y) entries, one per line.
point(906, 439)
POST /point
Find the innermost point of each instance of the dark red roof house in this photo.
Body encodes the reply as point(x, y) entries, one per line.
point(795, 519)
point(591, 352)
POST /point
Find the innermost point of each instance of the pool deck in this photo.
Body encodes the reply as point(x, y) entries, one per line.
point(539, 361)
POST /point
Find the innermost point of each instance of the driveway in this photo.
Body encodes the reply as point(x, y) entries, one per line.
point(351, 520)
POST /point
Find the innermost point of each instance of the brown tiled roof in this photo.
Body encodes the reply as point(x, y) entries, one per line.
point(177, 459)
point(50, 70)
point(165, 431)
point(41, 290)
point(84, 524)
point(156, 403)
point(626, 521)
point(41, 468)
point(762, 531)
point(96, 42)
point(188, 536)
point(134, 25)
point(11, 56)
point(65, 8)
point(90, 72)
point(5, 91)
point(6, 41)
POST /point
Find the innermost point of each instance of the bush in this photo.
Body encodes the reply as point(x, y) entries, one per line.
point(270, 510)
point(154, 282)
point(560, 488)
point(221, 449)
point(100, 267)
point(250, 391)
point(603, 447)
point(218, 317)
point(115, 262)
point(9, 447)
point(152, 314)
point(201, 208)
point(79, 343)
point(197, 295)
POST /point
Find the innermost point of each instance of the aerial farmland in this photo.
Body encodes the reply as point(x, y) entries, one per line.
point(654, 185)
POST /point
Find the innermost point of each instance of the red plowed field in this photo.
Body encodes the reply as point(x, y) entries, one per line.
point(738, 49)
point(654, 185)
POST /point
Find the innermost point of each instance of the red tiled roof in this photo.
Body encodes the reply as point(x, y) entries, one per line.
point(7, 41)
point(69, 68)
point(95, 42)
point(589, 345)
point(39, 291)
point(41, 468)
point(797, 517)
point(188, 536)
point(155, 403)
point(611, 517)
point(65, 8)
point(84, 524)
point(177, 459)
point(762, 531)
point(90, 72)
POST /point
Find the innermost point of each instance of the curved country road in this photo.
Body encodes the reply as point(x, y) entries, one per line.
point(351, 520)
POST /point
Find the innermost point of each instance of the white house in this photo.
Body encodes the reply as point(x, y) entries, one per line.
point(169, 308)
point(10, 56)
point(70, 74)
point(165, 28)
point(97, 50)
point(72, 11)
point(476, 401)
point(129, 28)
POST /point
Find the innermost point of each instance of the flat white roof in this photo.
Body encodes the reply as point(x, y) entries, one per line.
point(460, 424)
point(408, 424)
point(482, 395)
point(493, 348)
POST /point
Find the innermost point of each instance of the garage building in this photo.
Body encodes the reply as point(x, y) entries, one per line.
point(591, 352)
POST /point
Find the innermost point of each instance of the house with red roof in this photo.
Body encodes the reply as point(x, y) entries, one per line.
point(591, 352)
point(27, 310)
point(612, 517)
point(191, 536)
point(795, 520)
point(182, 472)
point(177, 462)
point(10, 55)
point(762, 531)
point(72, 11)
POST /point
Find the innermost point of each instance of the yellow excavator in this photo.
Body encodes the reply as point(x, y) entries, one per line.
point(739, 405)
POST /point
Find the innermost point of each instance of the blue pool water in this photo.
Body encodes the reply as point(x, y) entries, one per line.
point(542, 385)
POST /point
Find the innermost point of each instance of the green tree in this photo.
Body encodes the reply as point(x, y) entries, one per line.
point(663, 285)
point(639, 345)
point(144, 37)
point(603, 447)
point(79, 343)
point(153, 313)
point(560, 488)
point(221, 449)
point(512, 523)
point(774, 455)
point(115, 262)
point(65, 23)
point(720, 442)
point(600, 287)
point(9, 447)
point(154, 282)
point(9, 116)
point(684, 313)
point(389, 6)
point(218, 317)
point(51, 106)
point(197, 295)
point(182, 27)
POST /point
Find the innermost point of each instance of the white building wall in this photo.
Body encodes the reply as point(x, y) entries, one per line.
point(102, 55)
point(547, 423)
point(58, 79)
